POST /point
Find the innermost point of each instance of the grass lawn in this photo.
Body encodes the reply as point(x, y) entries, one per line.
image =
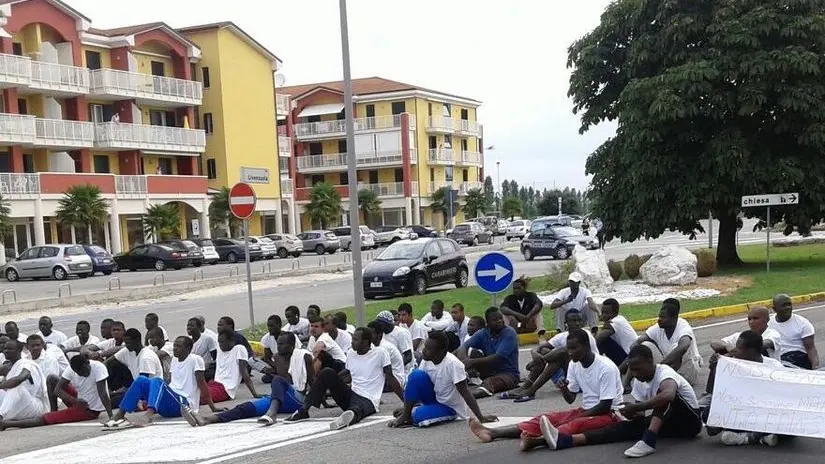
point(794, 270)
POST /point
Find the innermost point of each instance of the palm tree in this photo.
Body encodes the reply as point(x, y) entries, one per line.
point(511, 207)
point(162, 221)
point(5, 226)
point(369, 203)
point(440, 204)
point(324, 204)
point(82, 206)
point(219, 212)
point(475, 203)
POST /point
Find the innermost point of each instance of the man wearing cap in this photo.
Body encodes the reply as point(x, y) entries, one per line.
point(575, 297)
point(398, 336)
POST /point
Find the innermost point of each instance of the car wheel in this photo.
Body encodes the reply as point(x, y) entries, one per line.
point(197, 264)
point(528, 254)
point(508, 238)
point(59, 273)
point(297, 254)
point(270, 257)
point(12, 275)
point(420, 285)
point(319, 249)
point(475, 241)
point(232, 257)
point(490, 240)
point(332, 252)
point(462, 279)
point(107, 273)
point(160, 265)
point(282, 253)
point(562, 253)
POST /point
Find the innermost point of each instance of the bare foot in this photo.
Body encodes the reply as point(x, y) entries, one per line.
point(482, 432)
point(528, 443)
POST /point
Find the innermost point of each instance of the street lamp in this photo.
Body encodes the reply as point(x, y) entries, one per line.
point(498, 181)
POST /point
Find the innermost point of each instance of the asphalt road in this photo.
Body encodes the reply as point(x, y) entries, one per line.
point(371, 442)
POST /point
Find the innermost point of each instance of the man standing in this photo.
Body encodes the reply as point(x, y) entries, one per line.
point(232, 367)
point(326, 352)
point(341, 337)
point(522, 309)
point(575, 297)
point(498, 368)
point(796, 335)
point(599, 226)
point(25, 387)
point(82, 338)
point(418, 331)
point(297, 324)
point(672, 342)
point(50, 336)
point(616, 335)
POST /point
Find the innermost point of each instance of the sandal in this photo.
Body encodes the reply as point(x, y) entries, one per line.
point(524, 399)
point(266, 421)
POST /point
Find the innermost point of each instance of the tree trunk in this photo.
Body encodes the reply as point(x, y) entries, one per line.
point(726, 252)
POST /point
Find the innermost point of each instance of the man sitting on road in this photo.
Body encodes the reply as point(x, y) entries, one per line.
point(270, 343)
point(206, 330)
point(575, 297)
point(460, 323)
point(357, 390)
point(437, 391)
point(396, 360)
point(203, 345)
point(119, 376)
point(593, 376)
point(342, 322)
point(83, 389)
point(106, 328)
point(796, 335)
point(151, 321)
point(138, 359)
point(418, 331)
point(297, 324)
point(24, 385)
point(616, 335)
point(232, 367)
point(341, 337)
point(326, 352)
point(437, 319)
point(398, 336)
point(164, 350)
point(313, 310)
point(50, 336)
point(51, 362)
point(522, 309)
point(498, 368)
point(226, 323)
point(73, 346)
point(13, 332)
point(656, 387)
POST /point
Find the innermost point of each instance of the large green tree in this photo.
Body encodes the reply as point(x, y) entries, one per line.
point(511, 207)
point(324, 205)
point(714, 99)
point(369, 204)
point(219, 214)
point(489, 191)
point(549, 203)
point(82, 206)
point(162, 222)
point(475, 204)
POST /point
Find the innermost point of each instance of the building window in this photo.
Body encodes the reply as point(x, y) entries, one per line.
point(429, 109)
point(448, 142)
point(315, 148)
point(316, 179)
point(373, 177)
point(96, 113)
point(433, 142)
point(211, 169)
point(370, 111)
point(197, 118)
point(463, 144)
point(17, 48)
point(465, 114)
point(28, 163)
point(22, 106)
point(399, 175)
point(207, 123)
point(101, 163)
point(343, 178)
point(432, 174)
point(399, 107)
point(164, 166)
point(316, 118)
point(342, 146)
point(205, 77)
point(446, 112)
point(465, 175)
point(158, 68)
point(448, 173)
point(93, 60)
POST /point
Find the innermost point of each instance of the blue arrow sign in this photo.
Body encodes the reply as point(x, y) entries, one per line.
point(494, 272)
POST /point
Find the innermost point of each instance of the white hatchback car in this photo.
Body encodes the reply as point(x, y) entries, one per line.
point(268, 248)
point(518, 229)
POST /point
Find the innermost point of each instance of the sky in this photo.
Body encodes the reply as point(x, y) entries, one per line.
point(510, 55)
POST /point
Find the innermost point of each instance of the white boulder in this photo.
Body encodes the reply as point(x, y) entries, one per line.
point(671, 265)
point(592, 265)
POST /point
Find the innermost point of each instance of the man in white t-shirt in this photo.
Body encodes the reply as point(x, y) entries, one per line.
point(50, 336)
point(616, 335)
point(796, 335)
point(24, 386)
point(14, 332)
point(140, 360)
point(82, 338)
point(590, 375)
point(437, 391)
point(396, 360)
point(296, 324)
point(203, 345)
point(358, 389)
point(418, 331)
point(461, 322)
point(51, 361)
point(398, 336)
point(326, 352)
point(673, 343)
point(342, 322)
point(341, 337)
point(231, 368)
point(656, 387)
point(575, 297)
point(437, 319)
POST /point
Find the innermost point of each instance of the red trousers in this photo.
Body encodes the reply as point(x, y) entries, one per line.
point(217, 391)
point(569, 422)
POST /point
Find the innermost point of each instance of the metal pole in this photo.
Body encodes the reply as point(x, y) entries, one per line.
point(500, 191)
point(352, 171)
point(559, 206)
point(768, 244)
point(450, 201)
point(710, 229)
point(495, 300)
point(248, 270)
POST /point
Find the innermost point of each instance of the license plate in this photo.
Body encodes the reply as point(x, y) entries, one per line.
point(376, 284)
point(83, 265)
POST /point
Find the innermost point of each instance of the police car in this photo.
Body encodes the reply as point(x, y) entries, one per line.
point(556, 242)
point(410, 267)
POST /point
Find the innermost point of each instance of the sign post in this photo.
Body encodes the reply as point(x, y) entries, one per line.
point(768, 200)
point(242, 205)
point(494, 274)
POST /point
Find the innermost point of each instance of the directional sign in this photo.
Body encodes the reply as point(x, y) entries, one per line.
point(494, 272)
point(771, 199)
point(242, 200)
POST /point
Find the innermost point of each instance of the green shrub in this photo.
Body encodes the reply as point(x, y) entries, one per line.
point(615, 269)
point(631, 266)
point(557, 275)
point(705, 262)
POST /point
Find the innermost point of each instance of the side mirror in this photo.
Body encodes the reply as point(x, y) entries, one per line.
point(431, 258)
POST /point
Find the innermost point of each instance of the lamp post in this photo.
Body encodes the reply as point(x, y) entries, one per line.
point(498, 181)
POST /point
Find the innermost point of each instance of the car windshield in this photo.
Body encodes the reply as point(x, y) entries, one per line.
point(191, 246)
point(365, 230)
point(566, 231)
point(206, 243)
point(266, 240)
point(291, 237)
point(98, 251)
point(75, 250)
point(402, 250)
point(462, 228)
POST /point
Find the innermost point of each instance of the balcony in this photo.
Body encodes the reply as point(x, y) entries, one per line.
point(462, 187)
point(15, 186)
point(18, 186)
point(122, 136)
point(284, 146)
point(383, 190)
point(63, 134)
point(282, 104)
point(283, 165)
point(441, 157)
point(471, 158)
point(16, 129)
point(442, 125)
point(58, 79)
point(338, 161)
point(112, 84)
point(468, 128)
point(138, 187)
point(338, 128)
point(286, 188)
point(15, 71)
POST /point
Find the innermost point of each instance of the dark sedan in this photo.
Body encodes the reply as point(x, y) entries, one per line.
point(423, 231)
point(471, 233)
point(556, 242)
point(187, 246)
point(154, 256)
point(102, 261)
point(231, 250)
point(412, 266)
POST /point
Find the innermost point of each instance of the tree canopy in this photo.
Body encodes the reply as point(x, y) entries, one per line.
point(714, 99)
point(324, 205)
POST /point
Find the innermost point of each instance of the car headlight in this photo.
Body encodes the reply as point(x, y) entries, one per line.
point(401, 271)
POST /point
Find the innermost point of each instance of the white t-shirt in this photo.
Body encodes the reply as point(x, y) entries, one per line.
point(47, 362)
point(579, 303)
point(301, 328)
point(184, 382)
point(643, 391)
point(108, 344)
point(666, 345)
point(55, 338)
point(601, 381)
point(165, 336)
point(418, 331)
point(768, 334)
point(444, 376)
point(367, 373)
point(792, 332)
point(145, 362)
point(461, 329)
point(445, 322)
point(344, 340)
point(397, 362)
point(204, 347)
point(74, 342)
point(332, 348)
point(560, 341)
point(228, 370)
point(87, 386)
point(350, 329)
point(271, 343)
point(623, 332)
point(402, 339)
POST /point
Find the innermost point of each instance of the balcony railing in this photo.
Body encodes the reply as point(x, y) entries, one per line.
point(131, 186)
point(283, 165)
point(286, 188)
point(441, 124)
point(443, 156)
point(63, 133)
point(462, 187)
point(116, 83)
point(472, 158)
point(282, 104)
point(15, 70)
point(122, 136)
point(19, 186)
point(338, 127)
point(284, 146)
point(338, 161)
point(61, 78)
point(466, 127)
point(384, 189)
point(16, 129)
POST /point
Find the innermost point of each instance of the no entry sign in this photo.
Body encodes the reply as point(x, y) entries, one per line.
point(242, 200)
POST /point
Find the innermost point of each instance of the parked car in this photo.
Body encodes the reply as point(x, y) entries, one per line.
point(268, 248)
point(551, 221)
point(470, 233)
point(192, 250)
point(231, 250)
point(556, 242)
point(376, 239)
point(344, 235)
point(501, 228)
point(518, 229)
point(391, 234)
point(155, 256)
point(413, 266)
point(321, 241)
point(424, 231)
point(576, 221)
point(210, 255)
point(58, 261)
point(287, 245)
point(102, 260)
point(488, 222)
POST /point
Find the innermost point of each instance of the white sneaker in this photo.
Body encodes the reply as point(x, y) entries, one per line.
point(344, 420)
point(770, 440)
point(549, 432)
point(735, 438)
point(639, 450)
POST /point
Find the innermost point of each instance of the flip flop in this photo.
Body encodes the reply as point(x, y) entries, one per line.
point(266, 421)
point(121, 424)
point(524, 399)
point(504, 396)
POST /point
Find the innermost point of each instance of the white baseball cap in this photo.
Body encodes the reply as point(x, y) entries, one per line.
point(575, 277)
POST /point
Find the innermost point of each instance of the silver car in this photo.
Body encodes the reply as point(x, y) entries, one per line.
point(58, 261)
point(390, 234)
point(320, 241)
point(268, 248)
point(345, 236)
point(287, 245)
